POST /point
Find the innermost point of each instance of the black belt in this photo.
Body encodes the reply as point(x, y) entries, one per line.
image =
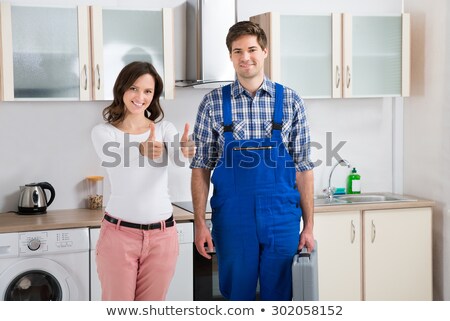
point(153, 226)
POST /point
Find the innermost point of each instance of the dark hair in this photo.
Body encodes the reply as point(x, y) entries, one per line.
point(243, 28)
point(115, 113)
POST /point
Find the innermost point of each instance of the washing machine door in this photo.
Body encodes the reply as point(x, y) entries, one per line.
point(37, 279)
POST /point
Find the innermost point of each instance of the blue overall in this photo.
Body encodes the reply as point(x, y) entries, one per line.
point(255, 212)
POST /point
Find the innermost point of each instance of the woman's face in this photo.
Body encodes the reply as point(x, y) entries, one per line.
point(138, 97)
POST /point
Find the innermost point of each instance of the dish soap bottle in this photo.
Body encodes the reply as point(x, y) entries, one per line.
point(353, 182)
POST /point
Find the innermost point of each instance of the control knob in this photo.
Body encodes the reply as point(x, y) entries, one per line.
point(34, 244)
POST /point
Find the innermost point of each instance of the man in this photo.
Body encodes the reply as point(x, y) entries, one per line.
point(254, 135)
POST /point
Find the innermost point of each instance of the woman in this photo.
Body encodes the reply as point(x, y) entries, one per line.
point(138, 244)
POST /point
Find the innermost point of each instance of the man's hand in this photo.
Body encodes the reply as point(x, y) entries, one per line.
point(202, 237)
point(306, 240)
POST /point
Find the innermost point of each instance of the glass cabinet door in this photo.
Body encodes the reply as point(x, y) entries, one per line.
point(373, 51)
point(339, 55)
point(118, 42)
point(306, 54)
point(44, 42)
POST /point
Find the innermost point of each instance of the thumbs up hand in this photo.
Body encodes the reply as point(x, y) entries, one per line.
point(187, 145)
point(151, 148)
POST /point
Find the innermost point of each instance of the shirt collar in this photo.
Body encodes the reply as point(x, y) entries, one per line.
point(267, 86)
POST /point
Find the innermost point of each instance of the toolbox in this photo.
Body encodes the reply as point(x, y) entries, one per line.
point(305, 280)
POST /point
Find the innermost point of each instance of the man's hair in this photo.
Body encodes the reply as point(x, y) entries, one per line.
point(243, 28)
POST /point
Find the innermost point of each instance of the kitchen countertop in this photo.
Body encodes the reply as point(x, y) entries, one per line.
point(76, 218)
point(70, 218)
point(417, 202)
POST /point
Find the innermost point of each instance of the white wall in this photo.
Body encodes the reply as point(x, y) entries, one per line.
point(427, 126)
point(50, 141)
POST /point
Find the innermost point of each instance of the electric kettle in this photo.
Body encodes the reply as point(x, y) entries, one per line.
point(33, 199)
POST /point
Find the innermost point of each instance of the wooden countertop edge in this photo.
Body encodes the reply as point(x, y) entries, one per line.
point(65, 218)
point(79, 218)
point(373, 206)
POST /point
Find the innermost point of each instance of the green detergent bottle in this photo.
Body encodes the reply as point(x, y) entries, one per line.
point(353, 182)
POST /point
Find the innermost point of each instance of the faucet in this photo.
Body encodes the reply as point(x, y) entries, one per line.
point(329, 191)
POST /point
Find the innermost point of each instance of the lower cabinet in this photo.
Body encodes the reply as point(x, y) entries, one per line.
point(375, 254)
point(398, 254)
point(338, 236)
point(182, 285)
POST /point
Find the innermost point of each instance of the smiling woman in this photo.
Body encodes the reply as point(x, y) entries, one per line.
point(137, 239)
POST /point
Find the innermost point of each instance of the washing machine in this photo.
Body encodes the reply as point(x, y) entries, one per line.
point(48, 265)
point(182, 285)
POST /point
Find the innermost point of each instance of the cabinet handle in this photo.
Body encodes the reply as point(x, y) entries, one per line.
point(98, 77)
point(349, 77)
point(353, 231)
point(374, 232)
point(85, 76)
point(338, 77)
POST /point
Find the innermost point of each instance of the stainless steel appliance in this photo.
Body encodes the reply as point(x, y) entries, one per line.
point(206, 275)
point(207, 27)
point(33, 199)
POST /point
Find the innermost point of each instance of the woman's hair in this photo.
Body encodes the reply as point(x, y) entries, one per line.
point(115, 113)
point(243, 28)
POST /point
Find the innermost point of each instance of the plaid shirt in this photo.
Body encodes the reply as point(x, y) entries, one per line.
point(252, 119)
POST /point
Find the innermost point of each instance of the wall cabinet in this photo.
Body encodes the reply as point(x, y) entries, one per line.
point(375, 254)
point(338, 55)
point(117, 42)
point(45, 52)
point(76, 53)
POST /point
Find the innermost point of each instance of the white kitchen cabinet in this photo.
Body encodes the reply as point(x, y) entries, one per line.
point(182, 285)
point(44, 52)
point(338, 55)
point(120, 36)
point(376, 56)
point(299, 58)
point(76, 52)
point(375, 254)
point(338, 236)
point(398, 254)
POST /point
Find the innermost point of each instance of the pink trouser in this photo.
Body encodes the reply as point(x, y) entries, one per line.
point(134, 264)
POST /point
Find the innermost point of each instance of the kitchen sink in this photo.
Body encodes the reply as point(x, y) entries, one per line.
point(360, 198)
point(323, 200)
point(363, 198)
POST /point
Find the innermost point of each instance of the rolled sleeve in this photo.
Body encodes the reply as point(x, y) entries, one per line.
point(204, 137)
point(301, 143)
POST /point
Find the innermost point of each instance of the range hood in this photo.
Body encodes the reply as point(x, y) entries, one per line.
point(208, 62)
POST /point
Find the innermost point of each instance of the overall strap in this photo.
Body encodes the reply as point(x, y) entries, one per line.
point(226, 111)
point(278, 110)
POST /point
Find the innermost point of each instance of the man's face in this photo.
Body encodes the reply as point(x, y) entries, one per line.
point(248, 57)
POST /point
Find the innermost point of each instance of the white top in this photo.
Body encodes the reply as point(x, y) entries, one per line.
point(139, 185)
